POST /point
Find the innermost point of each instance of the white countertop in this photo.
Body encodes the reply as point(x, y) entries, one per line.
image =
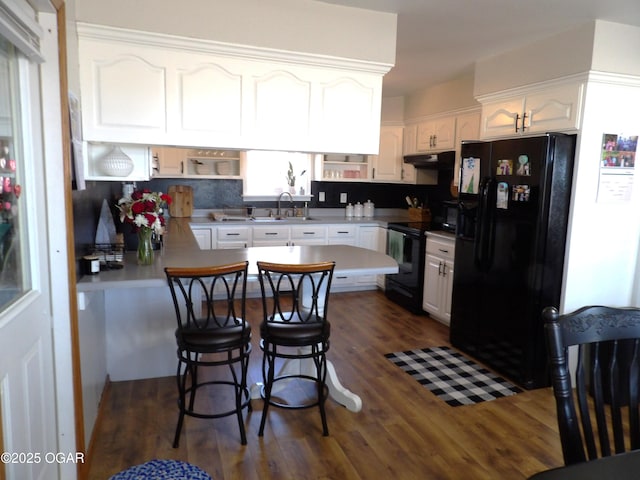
point(181, 250)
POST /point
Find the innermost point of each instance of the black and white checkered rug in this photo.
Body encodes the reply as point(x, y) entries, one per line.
point(452, 376)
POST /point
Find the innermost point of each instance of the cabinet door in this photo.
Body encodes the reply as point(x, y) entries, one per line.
point(124, 93)
point(169, 161)
point(270, 235)
point(436, 135)
point(342, 235)
point(203, 237)
point(500, 118)
point(208, 102)
point(554, 109)
point(410, 137)
point(467, 128)
point(368, 238)
point(387, 165)
point(349, 102)
point(445, 134)
point(233, 237)
point(447, 283)
point(432, 294)
point(308, 235)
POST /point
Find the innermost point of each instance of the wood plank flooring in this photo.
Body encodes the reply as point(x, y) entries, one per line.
point(402, 432)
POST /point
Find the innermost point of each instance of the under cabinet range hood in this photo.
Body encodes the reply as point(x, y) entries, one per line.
point(440, 161)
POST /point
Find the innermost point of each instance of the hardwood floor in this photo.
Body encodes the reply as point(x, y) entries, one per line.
point(402, 432)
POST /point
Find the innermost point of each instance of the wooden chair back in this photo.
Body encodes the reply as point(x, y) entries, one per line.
point(598, 416)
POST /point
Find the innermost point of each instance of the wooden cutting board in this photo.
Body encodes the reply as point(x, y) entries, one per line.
point(182, 204)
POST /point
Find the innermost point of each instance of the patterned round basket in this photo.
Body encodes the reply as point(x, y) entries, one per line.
point(162, 470)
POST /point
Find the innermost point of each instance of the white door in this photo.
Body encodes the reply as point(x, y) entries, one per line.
point(27, 389)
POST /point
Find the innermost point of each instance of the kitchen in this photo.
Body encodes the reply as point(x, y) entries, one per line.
point(418, 133)
point(577, 286)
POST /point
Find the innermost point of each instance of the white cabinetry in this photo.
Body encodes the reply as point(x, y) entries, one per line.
point(204, 236)
point(349, 168)
point(176, 162)
point(94, 153)
point(308, 235)
point(467, 128)
point(233, 236)
point(438, 278)
point(387, 165)
point(269, 235)
point(545, 108)
point(342, 234)
point(373, 238)
point(436, 135)
point(143, 87)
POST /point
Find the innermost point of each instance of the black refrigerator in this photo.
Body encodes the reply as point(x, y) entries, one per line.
point(510, 245)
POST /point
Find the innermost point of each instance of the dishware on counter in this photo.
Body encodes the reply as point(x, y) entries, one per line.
point(369, 208)
point(358, 210)
point(349, 211)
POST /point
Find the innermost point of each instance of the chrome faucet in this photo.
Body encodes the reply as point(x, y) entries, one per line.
point(280, 199)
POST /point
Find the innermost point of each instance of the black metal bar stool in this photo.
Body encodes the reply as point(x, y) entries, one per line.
point(295, 328)
point(210, 333)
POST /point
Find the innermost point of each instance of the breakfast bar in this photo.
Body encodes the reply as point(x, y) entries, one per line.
point(139, 319)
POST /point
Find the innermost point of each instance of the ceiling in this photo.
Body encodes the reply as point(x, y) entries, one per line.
point(441, 39)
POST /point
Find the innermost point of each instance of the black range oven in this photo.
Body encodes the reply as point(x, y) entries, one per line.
point(406, 244)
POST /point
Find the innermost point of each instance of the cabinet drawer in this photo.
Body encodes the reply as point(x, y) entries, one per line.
point(233, 233)
point(276, 232)
point(308, 231)
point(442, 248)
point(342, 231)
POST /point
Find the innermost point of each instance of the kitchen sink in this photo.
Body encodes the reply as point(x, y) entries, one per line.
point(268, 219)
point(280, 219)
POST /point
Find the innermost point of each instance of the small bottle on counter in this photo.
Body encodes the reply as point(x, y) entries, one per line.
point(349, 211)
point(91, 264)
point(358, 210)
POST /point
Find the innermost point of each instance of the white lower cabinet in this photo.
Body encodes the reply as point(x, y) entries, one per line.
point(270, 235)
point(234, 236)
point(308, 235)
point(342, 234)
point(239, 236)
point(203, 236)
point(438, 278)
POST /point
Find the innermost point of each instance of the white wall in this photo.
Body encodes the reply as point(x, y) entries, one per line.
point(616, 48)
point(445, 97)
point(558, 56)
point(601, 262)
point(300, 25)
point(392, 110)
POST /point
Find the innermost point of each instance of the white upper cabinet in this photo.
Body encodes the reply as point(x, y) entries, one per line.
point(387, 165)
point(147, 88)
point(436, 135)
point(551, 107)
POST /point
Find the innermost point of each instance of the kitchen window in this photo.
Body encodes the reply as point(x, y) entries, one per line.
point(267, 174)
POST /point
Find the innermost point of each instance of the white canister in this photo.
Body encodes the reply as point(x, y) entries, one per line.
point(349, 211)
point(358, 210)
point(368, 208)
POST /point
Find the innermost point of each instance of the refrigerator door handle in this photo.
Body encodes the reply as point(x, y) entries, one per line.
point(485, 227)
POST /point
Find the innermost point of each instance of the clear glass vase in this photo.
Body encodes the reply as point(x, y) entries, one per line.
point(145, 247)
